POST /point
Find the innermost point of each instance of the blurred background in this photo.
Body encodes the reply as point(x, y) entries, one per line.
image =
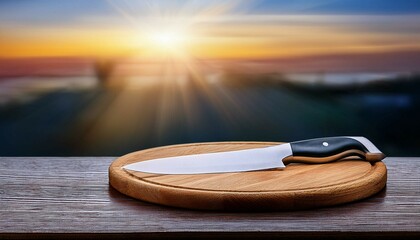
point(108, 77)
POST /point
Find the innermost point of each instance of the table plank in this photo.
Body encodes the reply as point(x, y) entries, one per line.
point(46, 196)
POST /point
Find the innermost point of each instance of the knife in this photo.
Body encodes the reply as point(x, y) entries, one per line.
point(312, 151)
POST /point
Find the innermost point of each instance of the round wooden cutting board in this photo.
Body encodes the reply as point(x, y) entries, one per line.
point(298, 186)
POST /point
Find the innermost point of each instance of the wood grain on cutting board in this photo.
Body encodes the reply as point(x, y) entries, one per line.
point(298, 186)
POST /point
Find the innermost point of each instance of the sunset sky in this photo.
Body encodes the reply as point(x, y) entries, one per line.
point(207, 29)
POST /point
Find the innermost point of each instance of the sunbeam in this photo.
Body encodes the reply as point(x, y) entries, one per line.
point(163, 73)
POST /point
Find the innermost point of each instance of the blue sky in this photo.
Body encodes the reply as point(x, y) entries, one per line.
point(56, 11)
point(341, 6)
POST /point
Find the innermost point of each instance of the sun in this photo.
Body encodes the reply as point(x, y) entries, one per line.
point(168, 39)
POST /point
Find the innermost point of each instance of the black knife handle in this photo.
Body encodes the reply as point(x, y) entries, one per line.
point(323, 150)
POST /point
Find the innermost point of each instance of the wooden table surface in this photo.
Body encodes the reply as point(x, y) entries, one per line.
point(68, 197)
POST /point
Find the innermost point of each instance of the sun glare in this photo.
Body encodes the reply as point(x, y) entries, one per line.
point(167, 39)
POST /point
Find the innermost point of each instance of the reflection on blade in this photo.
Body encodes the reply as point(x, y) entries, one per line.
point(234, 161)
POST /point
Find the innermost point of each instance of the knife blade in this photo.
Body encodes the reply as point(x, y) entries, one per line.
point(312, 151)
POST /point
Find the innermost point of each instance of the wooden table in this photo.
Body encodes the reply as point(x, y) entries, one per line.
point(69, 197)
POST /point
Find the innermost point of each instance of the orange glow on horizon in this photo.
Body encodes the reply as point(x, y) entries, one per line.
point(211, 40)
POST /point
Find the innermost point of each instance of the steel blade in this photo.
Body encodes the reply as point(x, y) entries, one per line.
point(221, 162)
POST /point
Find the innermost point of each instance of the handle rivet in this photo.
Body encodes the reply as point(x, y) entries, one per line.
point(325, 144)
